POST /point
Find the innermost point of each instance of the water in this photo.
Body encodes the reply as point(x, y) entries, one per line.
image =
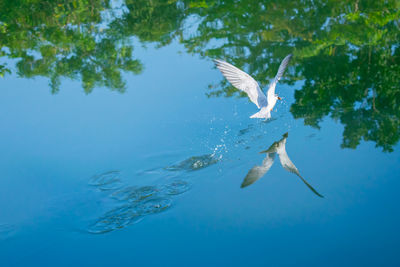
point(123, 145)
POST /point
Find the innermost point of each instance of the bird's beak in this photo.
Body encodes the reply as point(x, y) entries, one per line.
point(279, 98)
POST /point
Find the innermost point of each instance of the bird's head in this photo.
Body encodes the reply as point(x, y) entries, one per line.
point(277, 97)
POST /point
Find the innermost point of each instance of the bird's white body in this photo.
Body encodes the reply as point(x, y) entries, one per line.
point(265, 112)
point(244, 82)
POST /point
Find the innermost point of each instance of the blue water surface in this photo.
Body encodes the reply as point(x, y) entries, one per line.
point(164, 130)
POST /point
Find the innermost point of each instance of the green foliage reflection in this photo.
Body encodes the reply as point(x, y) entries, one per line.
point(58, 39)
point(346, 52)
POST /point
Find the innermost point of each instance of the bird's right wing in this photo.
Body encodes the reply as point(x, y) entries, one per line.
point(257, 172)
point(242, 81)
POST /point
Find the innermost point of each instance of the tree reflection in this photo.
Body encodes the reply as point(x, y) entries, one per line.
point(58, 39)
point(362, 93)
point(347, 52)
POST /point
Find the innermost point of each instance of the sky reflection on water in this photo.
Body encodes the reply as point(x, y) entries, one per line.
point(160, 149)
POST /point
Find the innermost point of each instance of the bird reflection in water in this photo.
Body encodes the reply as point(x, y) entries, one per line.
point(279, 147)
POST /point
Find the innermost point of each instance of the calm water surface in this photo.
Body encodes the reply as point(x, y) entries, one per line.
point(122, 144)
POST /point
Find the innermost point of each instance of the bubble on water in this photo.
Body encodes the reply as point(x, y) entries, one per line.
point(218, 150)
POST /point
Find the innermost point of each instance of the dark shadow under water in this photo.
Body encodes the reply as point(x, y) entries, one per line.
point(133, 202)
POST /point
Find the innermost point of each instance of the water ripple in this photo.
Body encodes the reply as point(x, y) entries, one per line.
point(175, 188)
point(137, 201)
point(106, 181)
point(128, 214)
point(152, 206)
point(133, 193)
point(6, 230)
point(194, 163)
point(117, 218)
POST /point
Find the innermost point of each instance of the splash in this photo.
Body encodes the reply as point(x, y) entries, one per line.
point(196, 162)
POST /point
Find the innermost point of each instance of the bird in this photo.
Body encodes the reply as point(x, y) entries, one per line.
point(278, 147)
point(244, 82)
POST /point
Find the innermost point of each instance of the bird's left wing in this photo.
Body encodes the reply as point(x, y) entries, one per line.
point(242, 81)
point(278, 76)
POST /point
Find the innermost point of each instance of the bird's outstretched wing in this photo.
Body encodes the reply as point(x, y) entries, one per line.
point(242, 81)
point(278, 76)
point(257, 172)
point(288, 165)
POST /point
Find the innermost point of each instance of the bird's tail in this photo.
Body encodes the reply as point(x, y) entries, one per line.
point(264, 113)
